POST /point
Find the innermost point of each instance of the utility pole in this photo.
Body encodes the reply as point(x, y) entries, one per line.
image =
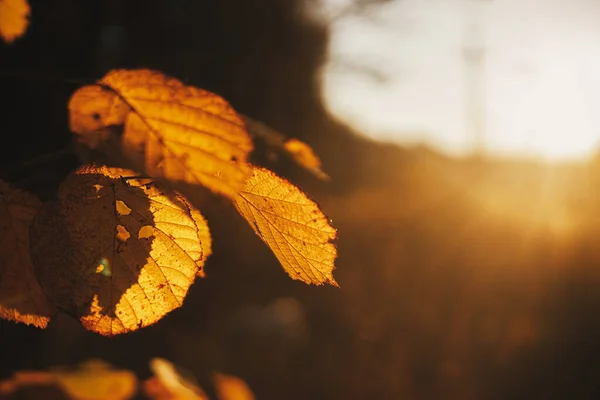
point(474, 53)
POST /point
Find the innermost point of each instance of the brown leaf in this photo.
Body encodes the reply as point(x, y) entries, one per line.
point(291, 224)
point(172, 131)
point(92, 380)
point(21, 298)
point(14, 16)
point(118, 253)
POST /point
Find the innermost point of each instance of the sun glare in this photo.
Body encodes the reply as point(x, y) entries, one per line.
point(540, 82)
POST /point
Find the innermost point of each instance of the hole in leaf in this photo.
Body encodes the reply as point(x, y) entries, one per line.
point(97, 187)
point(145, 232)
point(122, 233)
point(122, 208)
point(103, 267)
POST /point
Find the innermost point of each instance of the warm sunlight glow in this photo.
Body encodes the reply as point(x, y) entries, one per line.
point(397, 72)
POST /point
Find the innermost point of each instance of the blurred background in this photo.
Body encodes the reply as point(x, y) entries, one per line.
point(462, 140)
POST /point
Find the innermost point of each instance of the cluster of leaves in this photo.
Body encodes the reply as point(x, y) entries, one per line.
point(96, 380)
point(120, 246)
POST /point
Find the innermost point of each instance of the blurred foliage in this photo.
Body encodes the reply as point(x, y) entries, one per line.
point(94, 379)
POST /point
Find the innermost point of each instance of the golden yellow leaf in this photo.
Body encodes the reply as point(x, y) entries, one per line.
point(229, 387)
point(116, 252)
point(21, 298)
point(172, 131)
point(14, 16)
point(92, 380)
point(291, 224)
point(304, 155)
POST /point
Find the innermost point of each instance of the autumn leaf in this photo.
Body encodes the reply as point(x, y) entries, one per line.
point(97, 380)
point(299, 151)
point(21, 298)
point(172, 131)
point(229, 387)
point(168, 384)
point(117, 253)
point(14, 16)
point(92, 380)
point(304, 155)
point(291, 224)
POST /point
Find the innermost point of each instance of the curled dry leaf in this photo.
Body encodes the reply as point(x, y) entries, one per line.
point(14, 16)
point(304, 155)
point(92, 380)
point(21, 298)
point(291, 224)
point(115, 252)
point(172, 131)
